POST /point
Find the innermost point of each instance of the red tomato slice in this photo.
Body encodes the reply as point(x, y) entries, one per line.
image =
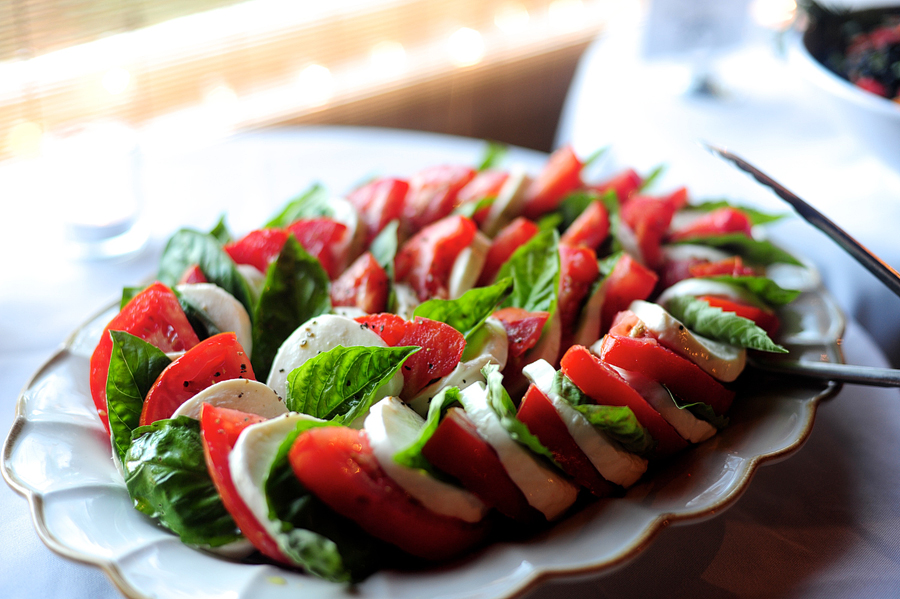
point(219, 431)
point(732, 267)
point(336, 464)
point(257, 248)
point(457, 449)
point(764, 319)
point(718, 222)
point(544, 422)
point(219, 358)
point(624, 184)
point(364, 284)
point(559, 177)
point(442, 347)
point(628, 281)
point(155, 316)
point(606, 387)
point(486, 184)
point(193, 274)
point(684, 378)
point(649, 218)
point(590, 229)
point(324, 239)
point(507, 241)
point(426, 260)
point(433, 194)
point(523, 328)
point(378, 203)
point(577, 272)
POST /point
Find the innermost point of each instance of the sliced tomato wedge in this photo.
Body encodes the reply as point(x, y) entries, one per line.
point(155, 316)
point(607, 387)
point(258, 248)
point(684, 378)
point(218, 358)
point(219, 431)
point(590, 229)
point(559, 177)
point(426, 260)
point(336, 464)
point(364, 285)
point(624, 184)
point(718, 222)
point(442, 347)
point(324, 239)
point(629, 281)
point(457, 449)
point(433, 194)
point(544, 422)
point(764, 319)
point(732, 267)
point(578, 270)
point(649, 218)
point(378, 203)
point(505, 243)
point(486, 184)
point(523, 328)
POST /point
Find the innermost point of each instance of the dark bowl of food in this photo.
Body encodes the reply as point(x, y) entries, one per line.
point(852, 58)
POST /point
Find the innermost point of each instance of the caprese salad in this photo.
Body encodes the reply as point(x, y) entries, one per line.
point(394, 377)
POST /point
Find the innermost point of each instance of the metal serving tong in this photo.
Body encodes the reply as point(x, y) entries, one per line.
point(847, 373)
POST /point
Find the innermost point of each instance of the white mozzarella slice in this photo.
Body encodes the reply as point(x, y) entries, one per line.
point(467, 266)
point(407, 300)
point(391, 427)
point(245, 395)
point(545, 489)
point(321, 334)
point(720, 360)
point(223, 310)
point(250, 460)
point(491, 347)
point(611, 461)
point(349, 311)
point(509, 203)
point(685, 424)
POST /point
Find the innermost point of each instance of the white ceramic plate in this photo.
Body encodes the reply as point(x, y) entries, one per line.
point(58, 456)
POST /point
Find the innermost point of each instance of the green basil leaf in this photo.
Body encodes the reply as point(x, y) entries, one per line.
point(765, 289)
point(754, 251)
point(312, 203)
point(620, 424)
point(187, 248)
point(128, 294)
point(651, 178)
point(493, 155)
point(719, 325)
point(134, 365)
point(700, 410)
point(569, 391)
point(313, 536)
point(411, 456)
point(469, 209)
point(296, 289)
point(551, 220)
point(342, 383)
point(595, 157)
point(167, 478)
point(756, 217)
point(534, 268)
point(220, 231)
point(384, 247)
point(197, 316)
point(468, 312)
point(499, 401)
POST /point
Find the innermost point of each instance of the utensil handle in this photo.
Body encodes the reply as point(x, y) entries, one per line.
point(829, 371)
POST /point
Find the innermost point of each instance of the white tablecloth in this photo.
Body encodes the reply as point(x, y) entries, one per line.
point(823, 523)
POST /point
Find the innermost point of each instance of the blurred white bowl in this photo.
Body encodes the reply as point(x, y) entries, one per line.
point(874, 120)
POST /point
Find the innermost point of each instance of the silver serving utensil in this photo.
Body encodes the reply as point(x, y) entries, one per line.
point(846, 373)
point(874, 264)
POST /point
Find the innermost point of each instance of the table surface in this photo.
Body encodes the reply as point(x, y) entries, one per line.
point(822, 523)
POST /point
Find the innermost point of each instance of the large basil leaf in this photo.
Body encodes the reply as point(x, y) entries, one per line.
point(765, 289)
point(296, 289)
point(311, 203)
point(134, 365)
point(313, 536)
point(467, 313)
point(755, 251)
point(534, 268)
point(167, 478)
point(411, 456)
point(499, 401)
point(713, 322)
point(187, 248)
point(342, 383)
